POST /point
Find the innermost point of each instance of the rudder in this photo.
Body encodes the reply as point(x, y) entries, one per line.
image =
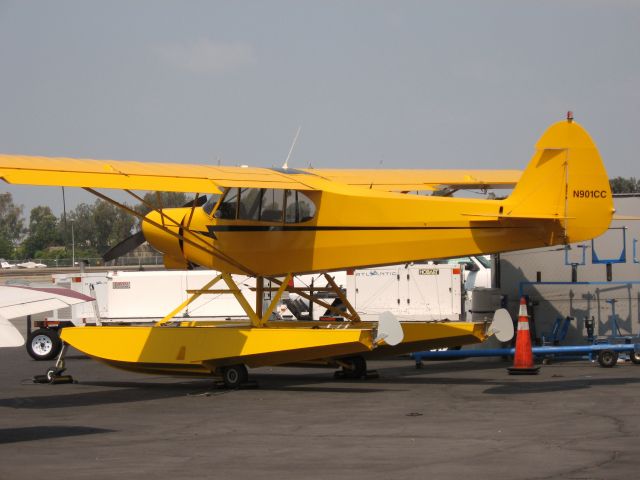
point(566, 181)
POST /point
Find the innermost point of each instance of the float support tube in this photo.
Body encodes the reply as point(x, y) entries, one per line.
point(538, 351)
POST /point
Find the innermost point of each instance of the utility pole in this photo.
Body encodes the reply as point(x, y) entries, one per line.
point(73, 246)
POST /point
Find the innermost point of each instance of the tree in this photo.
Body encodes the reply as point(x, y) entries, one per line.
point(98, 226)
point(80, 227)
point(162, 200)
point(625, 185)
point(11, 225)
point(111, 225)
point(43, 231)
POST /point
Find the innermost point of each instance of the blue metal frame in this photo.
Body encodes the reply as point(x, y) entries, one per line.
point(537, 351)
point(615, 327)
point(584, 255)
point(524, 284)
point(635, 251)
point(623, 255)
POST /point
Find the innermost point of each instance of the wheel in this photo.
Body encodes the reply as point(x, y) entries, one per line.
point(43, 344)
point(635, 357)
point(607, 358)
point(356, 367)
point(234, 375)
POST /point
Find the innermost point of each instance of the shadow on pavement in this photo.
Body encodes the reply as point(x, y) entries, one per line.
point(43, 432)
point(114, 393)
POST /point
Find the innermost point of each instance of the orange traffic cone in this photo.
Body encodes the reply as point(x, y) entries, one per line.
point(523, 358)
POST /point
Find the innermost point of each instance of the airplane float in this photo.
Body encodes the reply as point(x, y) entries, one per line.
point(274, 223)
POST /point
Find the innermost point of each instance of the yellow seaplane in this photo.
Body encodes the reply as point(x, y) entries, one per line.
point(274, 223)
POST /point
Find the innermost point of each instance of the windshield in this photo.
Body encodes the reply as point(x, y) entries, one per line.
point(210, 203)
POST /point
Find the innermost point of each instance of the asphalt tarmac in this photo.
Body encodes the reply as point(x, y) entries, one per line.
point(454, 419)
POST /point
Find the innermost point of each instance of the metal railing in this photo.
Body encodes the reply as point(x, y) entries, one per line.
point(120, 262)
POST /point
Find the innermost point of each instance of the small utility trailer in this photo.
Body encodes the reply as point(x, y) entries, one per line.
point(607, 354)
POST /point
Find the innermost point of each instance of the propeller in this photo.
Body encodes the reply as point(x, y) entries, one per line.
point(125, 246)
point(134, 241)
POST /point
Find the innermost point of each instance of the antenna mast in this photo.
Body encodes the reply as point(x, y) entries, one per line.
point(293, 144)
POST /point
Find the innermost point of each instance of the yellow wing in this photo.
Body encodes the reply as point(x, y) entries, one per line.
point(409, 180)
point(178, 177)
point(168, 177)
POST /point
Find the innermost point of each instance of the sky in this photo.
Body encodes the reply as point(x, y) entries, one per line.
point(372, 84)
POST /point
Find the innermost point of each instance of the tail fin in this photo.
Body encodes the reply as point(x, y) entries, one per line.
point(565, 181)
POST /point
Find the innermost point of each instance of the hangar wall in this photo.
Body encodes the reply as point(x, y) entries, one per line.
point(599, 299)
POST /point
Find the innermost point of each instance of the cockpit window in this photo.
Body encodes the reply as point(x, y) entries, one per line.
point(266, 205)
point(211, 203)
point(299, 208)
point(306, 208)
point(229, 206)
point(249, 206)
point(291, 209)
point(272, 206)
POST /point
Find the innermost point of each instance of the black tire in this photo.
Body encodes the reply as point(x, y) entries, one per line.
point(635, 357)
point(356, 367)
point(607, 358)
point(43, 344)
point(234, 375)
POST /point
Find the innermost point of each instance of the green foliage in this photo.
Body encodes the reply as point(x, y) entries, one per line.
point(625, 185)
point(11, 225)
point(111, 225)
point(43, 231)
point(6, 247)
point(162, 200)
point(94, 228)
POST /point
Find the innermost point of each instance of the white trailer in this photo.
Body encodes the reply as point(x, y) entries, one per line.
point(135, 297)
point(422, 292)
point(413, 292)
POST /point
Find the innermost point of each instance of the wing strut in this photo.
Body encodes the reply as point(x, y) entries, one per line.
point(351, 313)
point(258, 317)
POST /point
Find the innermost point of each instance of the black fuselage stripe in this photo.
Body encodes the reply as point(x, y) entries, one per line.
point(327, 228)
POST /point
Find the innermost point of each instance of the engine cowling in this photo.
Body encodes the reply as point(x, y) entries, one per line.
point(165, 239)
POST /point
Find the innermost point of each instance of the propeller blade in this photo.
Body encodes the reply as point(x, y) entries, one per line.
point(124, 247)
point(201, 200)
point(137, 239)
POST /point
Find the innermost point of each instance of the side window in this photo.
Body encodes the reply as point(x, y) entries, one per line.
point(272, 206)
point(229, 206)
point(249, 206)
point(306, 208)
point(298, 207)
point(291, 207)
